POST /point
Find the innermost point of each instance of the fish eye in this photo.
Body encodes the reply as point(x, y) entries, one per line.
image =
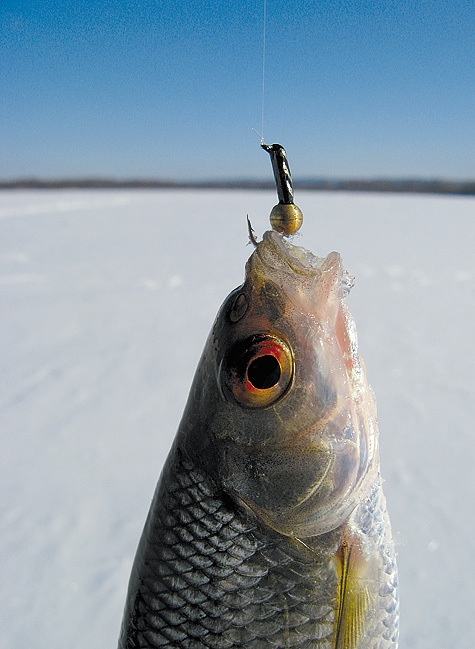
point(259, 370)
point(264, 372)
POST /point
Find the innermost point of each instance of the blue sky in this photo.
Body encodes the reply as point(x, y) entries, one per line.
point(173, 89)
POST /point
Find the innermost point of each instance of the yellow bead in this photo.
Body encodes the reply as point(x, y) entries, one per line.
point(286, 219)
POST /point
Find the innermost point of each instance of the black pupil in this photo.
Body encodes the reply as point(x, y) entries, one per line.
point(264, 372)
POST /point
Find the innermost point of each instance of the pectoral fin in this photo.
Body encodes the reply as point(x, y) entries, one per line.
point(354, 594)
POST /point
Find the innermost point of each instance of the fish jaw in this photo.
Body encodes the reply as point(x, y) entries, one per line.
point(304, 462)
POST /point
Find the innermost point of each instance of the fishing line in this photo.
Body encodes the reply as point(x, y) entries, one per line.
point(264, 20)
point(263, 67)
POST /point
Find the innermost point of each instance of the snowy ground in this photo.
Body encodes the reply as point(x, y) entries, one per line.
point(106, 300)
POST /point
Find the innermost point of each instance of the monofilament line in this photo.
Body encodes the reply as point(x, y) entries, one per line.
point(263, 67)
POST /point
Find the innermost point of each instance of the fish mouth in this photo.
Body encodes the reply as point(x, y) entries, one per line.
point(276, 252)
point(299, 272)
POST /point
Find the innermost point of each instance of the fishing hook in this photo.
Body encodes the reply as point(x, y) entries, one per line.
point(252, 236)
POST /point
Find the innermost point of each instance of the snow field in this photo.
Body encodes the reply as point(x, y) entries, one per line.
point(106, 300)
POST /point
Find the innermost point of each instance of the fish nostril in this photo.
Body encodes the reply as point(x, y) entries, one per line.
point(264, 372)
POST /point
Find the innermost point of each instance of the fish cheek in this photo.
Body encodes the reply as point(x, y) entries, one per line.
point(315, 390)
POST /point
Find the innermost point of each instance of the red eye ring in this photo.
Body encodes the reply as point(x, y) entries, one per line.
point(260, 370)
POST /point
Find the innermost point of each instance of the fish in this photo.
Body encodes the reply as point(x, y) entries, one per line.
point(269, 527)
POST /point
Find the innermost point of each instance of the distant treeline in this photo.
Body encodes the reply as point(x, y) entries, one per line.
point(435, 186)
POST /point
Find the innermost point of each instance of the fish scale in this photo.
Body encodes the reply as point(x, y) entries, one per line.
point(266, 597)
point(227, 593)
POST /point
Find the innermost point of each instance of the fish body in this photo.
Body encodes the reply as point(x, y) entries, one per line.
point(268, 527)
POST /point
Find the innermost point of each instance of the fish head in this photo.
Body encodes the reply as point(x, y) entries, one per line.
point(280, 413)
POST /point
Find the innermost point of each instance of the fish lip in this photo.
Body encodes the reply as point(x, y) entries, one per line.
point(274, 244)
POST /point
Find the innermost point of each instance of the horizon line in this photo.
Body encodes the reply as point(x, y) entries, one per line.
point(375, 184)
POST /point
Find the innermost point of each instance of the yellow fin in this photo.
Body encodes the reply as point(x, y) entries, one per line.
point(354, 594)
